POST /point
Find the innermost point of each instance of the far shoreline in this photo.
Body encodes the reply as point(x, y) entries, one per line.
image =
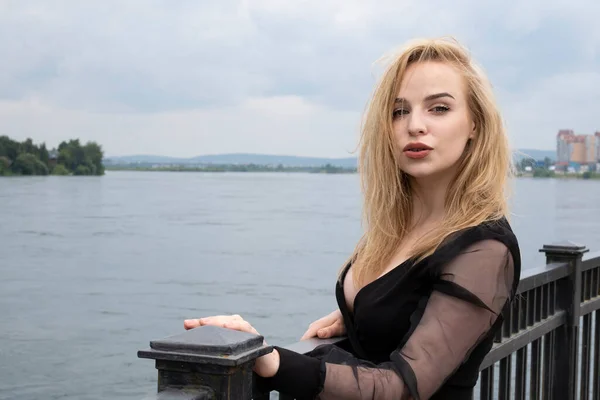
point(327, 169)
point(322, 170)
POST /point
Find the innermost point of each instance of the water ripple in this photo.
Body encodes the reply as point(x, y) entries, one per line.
point(41, 233)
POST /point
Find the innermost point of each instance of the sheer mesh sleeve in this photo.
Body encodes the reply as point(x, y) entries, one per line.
point(466, 301)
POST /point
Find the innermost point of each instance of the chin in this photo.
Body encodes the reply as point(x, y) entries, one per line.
point(419, 174)
point(428, 170)
point(419, 171)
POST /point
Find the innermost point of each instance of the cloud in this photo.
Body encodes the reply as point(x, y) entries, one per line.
point(271, 125)
point(561, 101)
point(191, 77)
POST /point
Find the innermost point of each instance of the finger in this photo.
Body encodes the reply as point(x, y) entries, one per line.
point(324, 333)
point(309, 333)
point(218, 320)
point(242, 326)
point(314, 328)
point(337, 329)
point(191, 323)
point(333, 330)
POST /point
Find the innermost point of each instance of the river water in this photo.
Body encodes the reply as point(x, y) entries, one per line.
point(93, 268)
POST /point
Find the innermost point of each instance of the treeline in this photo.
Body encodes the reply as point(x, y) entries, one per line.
point(325, 169)
point(70, 158)
point(534, 164)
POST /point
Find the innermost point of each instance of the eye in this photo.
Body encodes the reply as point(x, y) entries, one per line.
point(440, 109)
point(398, 113)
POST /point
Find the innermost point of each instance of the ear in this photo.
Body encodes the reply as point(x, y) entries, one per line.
point(472, 135)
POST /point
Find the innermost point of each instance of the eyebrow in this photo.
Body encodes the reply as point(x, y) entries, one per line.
point(428, 98)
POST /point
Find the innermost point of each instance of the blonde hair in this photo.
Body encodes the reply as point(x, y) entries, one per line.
point(476, 195)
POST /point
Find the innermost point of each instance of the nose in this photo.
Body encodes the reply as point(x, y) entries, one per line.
point(416, 124)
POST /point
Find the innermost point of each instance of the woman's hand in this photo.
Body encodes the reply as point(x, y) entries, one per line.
point(265, 366)
point(329, 326)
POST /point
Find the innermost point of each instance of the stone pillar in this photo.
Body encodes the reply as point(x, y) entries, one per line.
point(207, 362)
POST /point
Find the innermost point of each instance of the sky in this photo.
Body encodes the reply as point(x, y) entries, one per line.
point(193, 77)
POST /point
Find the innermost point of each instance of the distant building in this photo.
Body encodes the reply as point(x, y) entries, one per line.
point(52, 158)
point(576, 151)
point(597, 135)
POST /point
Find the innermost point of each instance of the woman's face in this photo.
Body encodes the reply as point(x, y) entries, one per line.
point(431, 120)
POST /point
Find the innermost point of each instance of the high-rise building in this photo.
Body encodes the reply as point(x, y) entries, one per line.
point(597, 135)
point(577, 150)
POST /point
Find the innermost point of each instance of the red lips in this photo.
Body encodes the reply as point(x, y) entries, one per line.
point(416, 146)
point(417, 150)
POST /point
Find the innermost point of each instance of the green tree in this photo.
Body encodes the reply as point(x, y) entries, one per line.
point(4, 165)
point(66, 158)
point(82, 170)
point(60, 170)
point(542, 173)
point(29, 164)
point(28, 147)
point(27, 158)
point(94, 155)
point(9, 148)
point(43, 154)
point(524, 163)
point(81, 160)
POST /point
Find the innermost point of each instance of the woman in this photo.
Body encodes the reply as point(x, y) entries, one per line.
point(427, 286)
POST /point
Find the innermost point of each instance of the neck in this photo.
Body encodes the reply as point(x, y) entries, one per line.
point(429, 198)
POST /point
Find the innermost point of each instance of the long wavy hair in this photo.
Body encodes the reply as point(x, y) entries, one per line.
point(478, 192)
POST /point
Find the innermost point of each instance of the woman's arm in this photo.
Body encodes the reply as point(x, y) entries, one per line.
point(466, 301)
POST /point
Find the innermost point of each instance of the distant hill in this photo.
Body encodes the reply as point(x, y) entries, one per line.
point(240, 158)
point(144, 159)
point(287, 161)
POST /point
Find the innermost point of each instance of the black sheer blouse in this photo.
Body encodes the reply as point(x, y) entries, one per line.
point(419, 331)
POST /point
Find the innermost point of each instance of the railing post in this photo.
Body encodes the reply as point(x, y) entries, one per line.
point(207, 362)
point(566, 339)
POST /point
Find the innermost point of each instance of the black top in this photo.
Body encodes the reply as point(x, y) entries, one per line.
point(419, 331)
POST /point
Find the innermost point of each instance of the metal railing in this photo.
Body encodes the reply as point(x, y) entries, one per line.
point(540, 339)
point(548, 347)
